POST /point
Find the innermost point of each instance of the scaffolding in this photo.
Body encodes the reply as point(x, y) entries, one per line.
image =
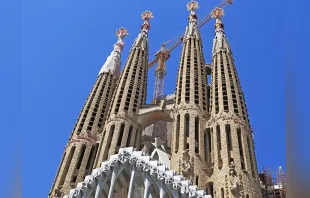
point(273, 183)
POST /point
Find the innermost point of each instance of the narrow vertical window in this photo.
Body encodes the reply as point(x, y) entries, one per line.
point(218, 134)
point(211, 189)
point(240, 148)
point(66, 168)
point(129, 136)
point(91, 159)
point(187, 125)
point(92, 150)
point(207, 137)
point(216, 99)
point(196, 135)
point(228, 137)
point(222, 193)
point(79, 162)
point(63, 157)
point(120, 135)
point(137, 139)
point(109, 140)
point(224, 88)
point(78, 165)
point(177, 134)
point(206, 144)
point(251, 154)
point(219, 146)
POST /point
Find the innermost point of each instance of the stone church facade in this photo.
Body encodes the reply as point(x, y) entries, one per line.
point(196, 142)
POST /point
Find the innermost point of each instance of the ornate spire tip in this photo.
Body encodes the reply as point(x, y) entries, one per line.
point(192, 6)
point(217, 13)
point(121, 33)
point(147, 15)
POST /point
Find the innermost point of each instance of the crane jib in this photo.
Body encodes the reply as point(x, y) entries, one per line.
point(179, 38)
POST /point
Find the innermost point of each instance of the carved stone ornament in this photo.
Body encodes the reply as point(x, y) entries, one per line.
point(187, 107)
point(162, 104)
point(233, 178)
point(186, 164)
point(223, 116)
point(89, 137)
point(147, 167)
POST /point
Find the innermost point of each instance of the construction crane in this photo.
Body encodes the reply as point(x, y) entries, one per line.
point(164, 54)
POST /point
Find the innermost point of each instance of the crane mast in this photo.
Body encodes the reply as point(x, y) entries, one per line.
point(164, 54)
point(160, 72)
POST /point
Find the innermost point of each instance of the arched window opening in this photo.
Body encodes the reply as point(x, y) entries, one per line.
point(196, 135)
point(187, 125)
point(251, 155)
point(109, 140)
point(197, 179)
point(218, 134)
point(208, 147)
point(66, 168)
point(120, 134)
point(219, 146)
point(228, 137)
point(177, 134)
point(211, 189)
point(137, 139)
point(78, 165)
point(222, 193)
point(129, 136)
point(91, 159)
point(63, 157)
point(240, 149)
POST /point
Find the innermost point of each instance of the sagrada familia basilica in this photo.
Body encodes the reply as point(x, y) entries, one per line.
point(195, 142)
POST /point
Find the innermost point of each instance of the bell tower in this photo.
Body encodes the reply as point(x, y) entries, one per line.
point(191, 106)
point(228, 130)
point(122, 128)
point(79, 155)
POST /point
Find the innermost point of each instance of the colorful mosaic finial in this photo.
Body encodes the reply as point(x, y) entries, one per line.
point(192, 6)
point(217, 13)
point(146, 16)
point(121, 33)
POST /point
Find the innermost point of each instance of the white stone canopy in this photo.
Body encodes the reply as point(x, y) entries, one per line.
point(153, 172)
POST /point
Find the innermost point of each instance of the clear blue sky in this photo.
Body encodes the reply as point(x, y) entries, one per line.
point(65, 43)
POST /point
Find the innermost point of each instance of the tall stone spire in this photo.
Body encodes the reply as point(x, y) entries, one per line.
point(228, 135)
point(122, 128)
point(112, 63)
point(191, 106)
point(192, 30)
point(224, 75)
point(80, 151)
point(220, 41)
